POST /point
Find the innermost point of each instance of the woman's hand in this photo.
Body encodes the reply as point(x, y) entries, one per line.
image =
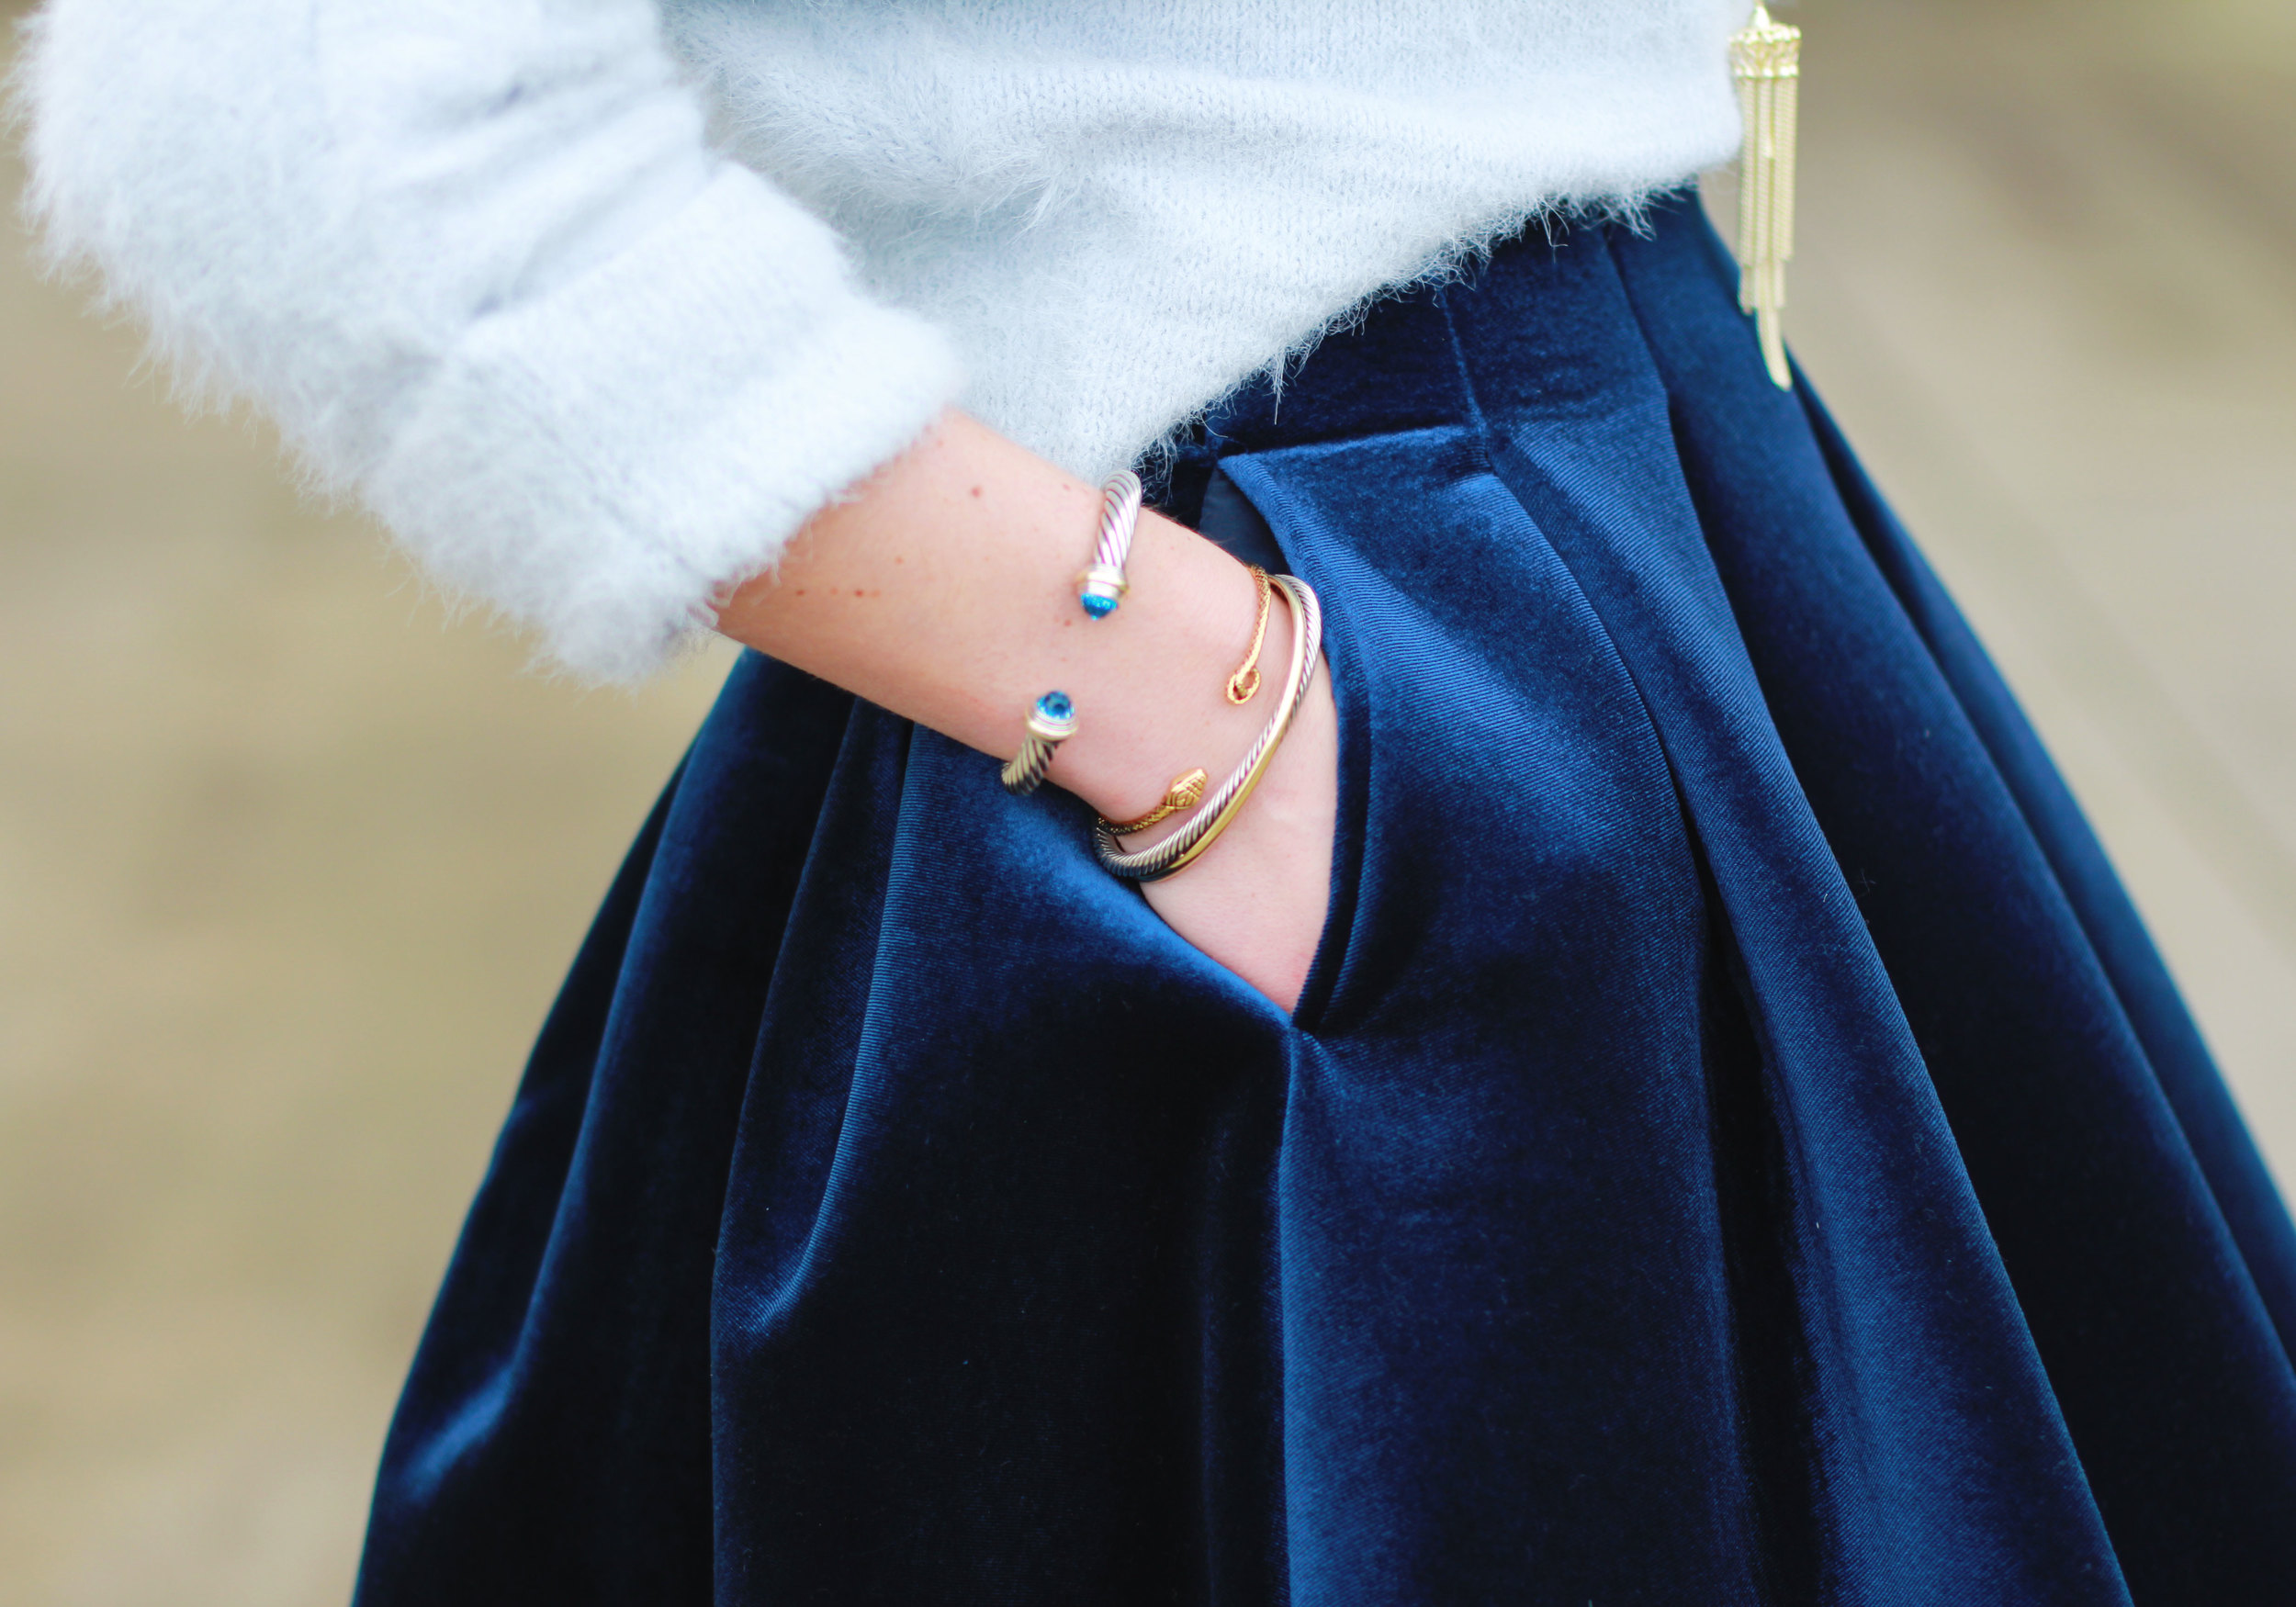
point(1256, 900)
point(942, 587)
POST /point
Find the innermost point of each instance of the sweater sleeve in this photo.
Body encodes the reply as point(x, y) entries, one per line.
point(479, 261)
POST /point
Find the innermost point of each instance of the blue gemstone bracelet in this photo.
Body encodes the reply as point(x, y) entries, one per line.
point(1102, 585)
point(1051, 721)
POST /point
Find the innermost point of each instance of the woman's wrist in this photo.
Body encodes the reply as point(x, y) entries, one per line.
point(944, 590)
point(1189, 621)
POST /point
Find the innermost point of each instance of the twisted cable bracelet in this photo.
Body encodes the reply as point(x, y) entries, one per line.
point(1102, 584)
point(1179, 850)
point(1051, 721)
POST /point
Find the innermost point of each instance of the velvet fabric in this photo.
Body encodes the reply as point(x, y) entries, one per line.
point(1737, 1145)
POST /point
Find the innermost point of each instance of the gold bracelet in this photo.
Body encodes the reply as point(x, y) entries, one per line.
point(1245, 682)
point(1187, 790)
point(1181, 849)
point(1184, 793)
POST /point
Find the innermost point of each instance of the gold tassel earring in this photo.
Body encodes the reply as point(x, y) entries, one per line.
point(1765, 59)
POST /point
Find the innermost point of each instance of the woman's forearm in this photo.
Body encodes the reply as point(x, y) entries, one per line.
point(943, 589)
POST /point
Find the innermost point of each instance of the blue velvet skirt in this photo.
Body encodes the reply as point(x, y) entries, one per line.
point(1737, 1145)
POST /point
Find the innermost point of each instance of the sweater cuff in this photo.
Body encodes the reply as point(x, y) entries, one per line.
point(599, 460)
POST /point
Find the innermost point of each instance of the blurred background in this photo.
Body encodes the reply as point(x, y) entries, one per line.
point(290, 862)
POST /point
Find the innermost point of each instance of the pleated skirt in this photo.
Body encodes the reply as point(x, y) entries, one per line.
point(1737, 1143)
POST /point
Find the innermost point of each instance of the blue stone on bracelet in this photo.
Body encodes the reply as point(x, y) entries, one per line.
point(1054, 705)
point(1098, 606)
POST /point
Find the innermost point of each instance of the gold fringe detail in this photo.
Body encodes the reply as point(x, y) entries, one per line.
point(1765, 59)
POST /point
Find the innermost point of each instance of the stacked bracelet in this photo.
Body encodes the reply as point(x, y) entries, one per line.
point(1102, 585)
point(1176, 852)
point(1051, 721)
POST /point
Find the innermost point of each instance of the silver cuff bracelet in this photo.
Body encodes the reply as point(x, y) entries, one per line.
point(1051, 721)
point(1102, 584)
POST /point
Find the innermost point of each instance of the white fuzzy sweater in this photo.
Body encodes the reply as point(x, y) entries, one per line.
point(594, 302)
